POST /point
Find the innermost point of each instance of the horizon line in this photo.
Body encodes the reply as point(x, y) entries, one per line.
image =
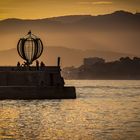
point(70, 15)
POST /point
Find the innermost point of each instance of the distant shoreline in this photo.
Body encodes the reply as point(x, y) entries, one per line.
point(98, 69)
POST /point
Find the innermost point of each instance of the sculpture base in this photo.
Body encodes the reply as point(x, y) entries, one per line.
point(35, 92)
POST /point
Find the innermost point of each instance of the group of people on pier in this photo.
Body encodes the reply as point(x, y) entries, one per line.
point(25, 65)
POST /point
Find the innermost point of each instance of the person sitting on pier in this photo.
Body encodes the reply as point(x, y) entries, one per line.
point(18, 64)
point(42, 64)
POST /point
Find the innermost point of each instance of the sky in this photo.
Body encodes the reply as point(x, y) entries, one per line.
point(35, 9)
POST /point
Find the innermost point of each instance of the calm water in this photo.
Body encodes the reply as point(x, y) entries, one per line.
point(103, 110)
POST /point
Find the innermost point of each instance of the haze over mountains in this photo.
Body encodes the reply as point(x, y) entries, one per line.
point(70, 56)
point(74, 37)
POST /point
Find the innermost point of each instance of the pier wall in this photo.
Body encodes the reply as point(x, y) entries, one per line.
point(47, 76)
point(37, 93)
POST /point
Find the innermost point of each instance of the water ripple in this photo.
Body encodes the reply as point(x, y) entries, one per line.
point(103, 111)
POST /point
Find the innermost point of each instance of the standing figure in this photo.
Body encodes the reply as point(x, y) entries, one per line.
point(37, 64)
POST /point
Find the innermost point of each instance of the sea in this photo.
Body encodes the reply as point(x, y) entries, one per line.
point(103, 110)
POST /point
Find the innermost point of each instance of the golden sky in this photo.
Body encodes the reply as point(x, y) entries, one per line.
point(34, 9)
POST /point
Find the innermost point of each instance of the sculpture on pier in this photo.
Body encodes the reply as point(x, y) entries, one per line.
point(30, 48)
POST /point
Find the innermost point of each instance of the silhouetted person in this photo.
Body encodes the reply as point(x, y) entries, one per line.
point(37, 64)
point(42, 64)
point(18, 64)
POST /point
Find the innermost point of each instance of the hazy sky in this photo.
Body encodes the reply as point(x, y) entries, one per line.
point(33, 9)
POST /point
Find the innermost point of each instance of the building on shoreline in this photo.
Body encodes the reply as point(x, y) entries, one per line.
point(124, 68)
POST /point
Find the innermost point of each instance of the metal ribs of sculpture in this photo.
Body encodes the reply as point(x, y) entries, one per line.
point(30, 48)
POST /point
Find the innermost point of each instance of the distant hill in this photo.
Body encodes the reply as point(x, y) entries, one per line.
point(70, 57)
point(108, 36)
point(118, 19)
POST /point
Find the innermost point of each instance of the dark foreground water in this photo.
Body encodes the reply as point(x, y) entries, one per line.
point(103, 110)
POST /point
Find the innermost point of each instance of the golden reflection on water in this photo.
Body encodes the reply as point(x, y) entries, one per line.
point(100, 115)
point(7, 122)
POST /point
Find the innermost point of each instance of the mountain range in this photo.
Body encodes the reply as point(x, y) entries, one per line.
point(77, 36)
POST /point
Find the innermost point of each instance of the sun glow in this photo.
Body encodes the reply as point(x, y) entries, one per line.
point(33, 9)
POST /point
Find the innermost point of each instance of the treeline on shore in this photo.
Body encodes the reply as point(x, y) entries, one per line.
point(124, 68)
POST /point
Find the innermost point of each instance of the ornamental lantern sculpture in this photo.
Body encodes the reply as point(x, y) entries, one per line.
point(30, 48)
